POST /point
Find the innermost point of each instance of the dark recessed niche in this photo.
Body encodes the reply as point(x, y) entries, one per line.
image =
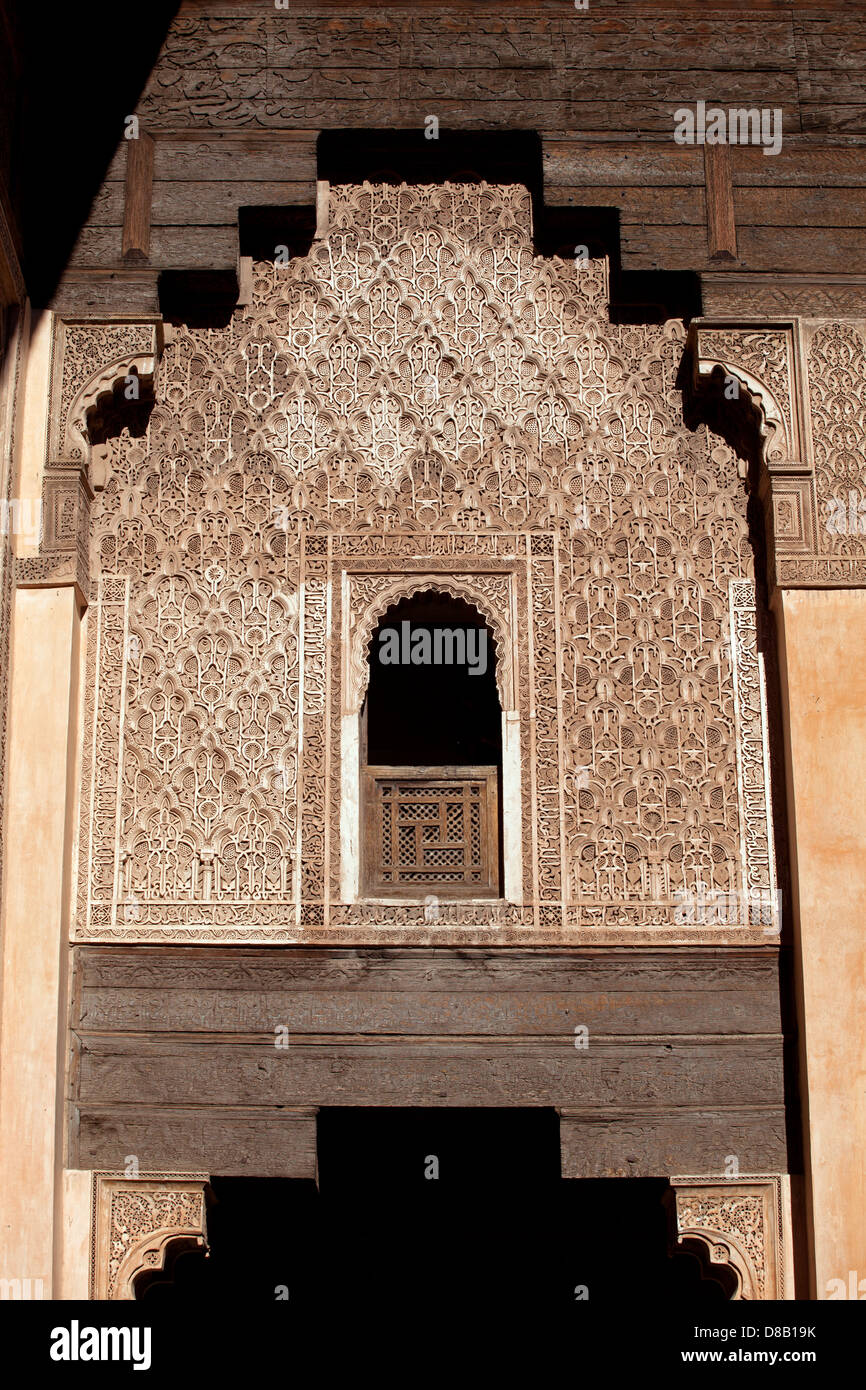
point(262, 229)
point(198, 298)
point(407, 156)
point(443, 1211)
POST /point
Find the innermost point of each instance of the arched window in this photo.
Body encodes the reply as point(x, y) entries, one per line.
point(431, 753)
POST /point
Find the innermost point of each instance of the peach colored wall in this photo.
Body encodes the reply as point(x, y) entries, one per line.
point(823, 662)
point(36, 897)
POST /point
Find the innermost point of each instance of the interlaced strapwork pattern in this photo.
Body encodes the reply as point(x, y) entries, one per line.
point(421, 370)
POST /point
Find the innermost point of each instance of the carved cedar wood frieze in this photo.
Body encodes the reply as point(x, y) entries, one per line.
point(420, 394)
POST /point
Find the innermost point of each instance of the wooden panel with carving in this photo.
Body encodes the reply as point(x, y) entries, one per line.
point(430, 830)
point(683, 1063)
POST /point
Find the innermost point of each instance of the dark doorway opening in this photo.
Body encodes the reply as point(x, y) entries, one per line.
point(490, 1226)
point(436, 713)
point(431, 754)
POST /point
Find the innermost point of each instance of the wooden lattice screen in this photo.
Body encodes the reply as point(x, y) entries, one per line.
point(431, 830)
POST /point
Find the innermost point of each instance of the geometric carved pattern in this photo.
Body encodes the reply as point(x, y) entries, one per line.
point(134, 1223)
point(837, 379)
point(827, 513)
point(431, 828)
point(88, 359)
point(737, 1224)
point(753, 754)
point(420, 394)
point(816, 518)
point(763, 360)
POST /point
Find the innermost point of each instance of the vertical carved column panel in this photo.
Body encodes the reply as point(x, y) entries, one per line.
point(547, 759)
point(837, 386)
point(315, 732)
point(806, 378)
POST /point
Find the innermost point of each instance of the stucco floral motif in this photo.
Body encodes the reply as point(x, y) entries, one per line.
point(423, 383)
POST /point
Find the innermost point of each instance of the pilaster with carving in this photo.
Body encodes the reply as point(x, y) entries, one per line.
point(89, 359)
point(804, 382)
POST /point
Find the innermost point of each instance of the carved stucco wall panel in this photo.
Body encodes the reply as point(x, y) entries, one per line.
point(421, 395)
point(807, 380)
point(837, 377)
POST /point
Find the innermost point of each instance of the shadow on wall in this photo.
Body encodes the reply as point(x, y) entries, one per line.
point(83, 72)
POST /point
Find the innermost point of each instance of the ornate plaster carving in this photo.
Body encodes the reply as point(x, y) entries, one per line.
point(812, 407)
point(737, 1224)
point(837, 381)
point(90, 358)
point(763, 358)
point(372, 595)
point(422, 399)
point(136, 1221)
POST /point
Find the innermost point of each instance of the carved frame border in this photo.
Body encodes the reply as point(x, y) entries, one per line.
point(360, 612)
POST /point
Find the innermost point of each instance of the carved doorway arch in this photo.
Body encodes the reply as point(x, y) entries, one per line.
point(367, 598)
point(734, 1227)
point(490, 606)
point(139, 1223)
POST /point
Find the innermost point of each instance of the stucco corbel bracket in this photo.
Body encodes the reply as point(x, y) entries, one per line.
point(731, 1224)
point(137, 1221)
point(763, 361)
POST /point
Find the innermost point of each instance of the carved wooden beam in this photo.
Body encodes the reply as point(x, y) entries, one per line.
point(137, 198)
point(721, 226)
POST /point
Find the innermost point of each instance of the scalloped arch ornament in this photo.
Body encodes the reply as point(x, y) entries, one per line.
point(493, 609)
point(137, 1221)
point(737, 1223)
